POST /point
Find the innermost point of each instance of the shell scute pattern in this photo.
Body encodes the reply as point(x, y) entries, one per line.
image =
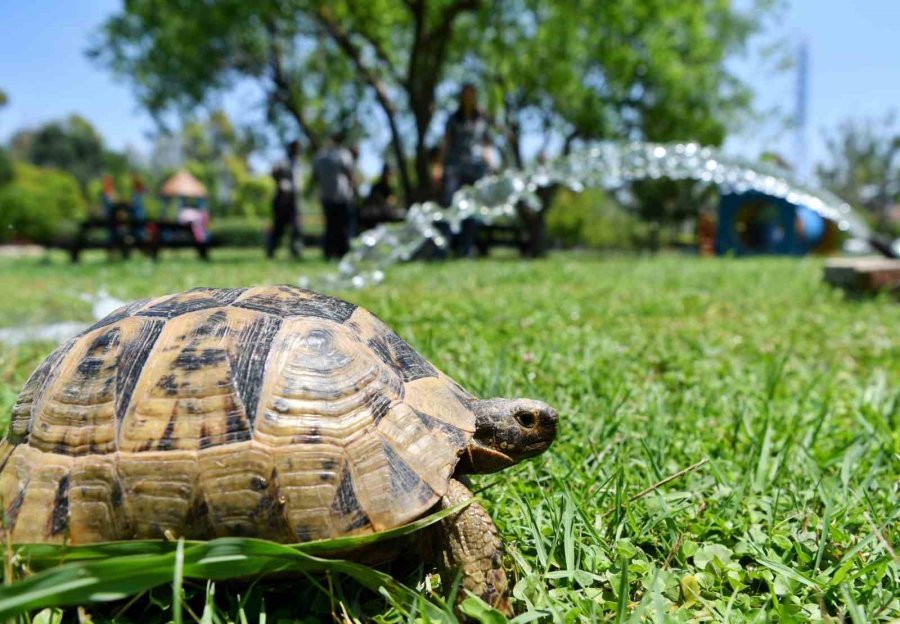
point(190, 395)
point(393, 350)
point(191, 301)
point(271, 411)
point(20, 421)
point(288, 301)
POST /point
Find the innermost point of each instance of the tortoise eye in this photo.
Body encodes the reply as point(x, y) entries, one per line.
point(526, 419)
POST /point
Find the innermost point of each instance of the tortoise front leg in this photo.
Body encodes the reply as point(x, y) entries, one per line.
point(468, 543)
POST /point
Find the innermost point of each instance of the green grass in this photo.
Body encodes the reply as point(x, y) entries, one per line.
point(790, 392)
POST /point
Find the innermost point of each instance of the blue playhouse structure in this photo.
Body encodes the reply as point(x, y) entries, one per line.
point(753, 223)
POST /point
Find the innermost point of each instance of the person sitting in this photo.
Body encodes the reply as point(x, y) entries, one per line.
point(138, 211)
point(381, 203)
point(197, 217)
point(110, 206)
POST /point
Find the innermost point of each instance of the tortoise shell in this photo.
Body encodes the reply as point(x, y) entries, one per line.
point(273, 412)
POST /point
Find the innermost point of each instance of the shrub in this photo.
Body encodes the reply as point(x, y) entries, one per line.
point(238, 231)
point(590, 219)
point(37, 203)
point(252, 197)
point(252, 231)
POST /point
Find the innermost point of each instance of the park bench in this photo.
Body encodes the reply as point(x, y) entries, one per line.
point(148, 236)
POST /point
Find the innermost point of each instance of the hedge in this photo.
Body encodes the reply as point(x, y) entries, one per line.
point(37, 203)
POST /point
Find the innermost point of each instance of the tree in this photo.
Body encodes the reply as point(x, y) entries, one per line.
point(6, 166)
point(72, 145)
point(650, 70)
point(863, 165)
point(584, 69)
point(312, 58)
point(217, 153)
point(7, 172)
point(592, 69)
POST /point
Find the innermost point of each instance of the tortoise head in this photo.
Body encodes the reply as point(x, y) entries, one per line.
point(506, 432)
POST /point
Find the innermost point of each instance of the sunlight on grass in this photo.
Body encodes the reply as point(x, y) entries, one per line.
point(654, 364)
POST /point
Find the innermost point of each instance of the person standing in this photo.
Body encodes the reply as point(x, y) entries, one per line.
point(284, 206)
point(333, 173)
point(466, 157)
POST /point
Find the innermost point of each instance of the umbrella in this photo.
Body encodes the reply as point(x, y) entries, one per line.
point(183, 184)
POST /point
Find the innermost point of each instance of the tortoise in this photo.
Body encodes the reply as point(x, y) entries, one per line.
point(273, 412)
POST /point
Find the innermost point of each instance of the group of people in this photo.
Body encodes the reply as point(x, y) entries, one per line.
point(463, 158)
point(334, 172)
point(130, 214)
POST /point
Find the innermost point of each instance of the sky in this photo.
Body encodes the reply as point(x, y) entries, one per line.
point(853, 50)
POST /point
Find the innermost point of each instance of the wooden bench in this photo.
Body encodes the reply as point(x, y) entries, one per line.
point(864, 276)
point(148, 236)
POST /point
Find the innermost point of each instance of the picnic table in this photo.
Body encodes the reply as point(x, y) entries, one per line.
point(125, 235)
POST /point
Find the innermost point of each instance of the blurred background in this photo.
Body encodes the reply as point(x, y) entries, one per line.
point(136, 92)
point(645, 147)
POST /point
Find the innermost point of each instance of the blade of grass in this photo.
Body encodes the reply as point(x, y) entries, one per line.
point(42, 556)
point(856, 613)
point(568, 533)
point(177, 582)
point(823, 538)
point(226, 558)
point(622, 598)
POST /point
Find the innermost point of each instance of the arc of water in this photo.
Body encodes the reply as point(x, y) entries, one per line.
point(606, 165)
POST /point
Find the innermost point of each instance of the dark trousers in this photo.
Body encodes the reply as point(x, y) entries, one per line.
point(285, 219)
point(454, 179)
point(339, 223)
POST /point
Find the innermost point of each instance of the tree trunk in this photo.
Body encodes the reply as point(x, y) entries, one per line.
point(421, 99)
point(368, 76)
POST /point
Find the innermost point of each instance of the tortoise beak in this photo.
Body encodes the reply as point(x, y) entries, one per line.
point(478, 458)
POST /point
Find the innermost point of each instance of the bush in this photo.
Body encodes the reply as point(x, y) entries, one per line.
point(37, 203)
point(238, 231)
point(252, 197)
point(590, 219)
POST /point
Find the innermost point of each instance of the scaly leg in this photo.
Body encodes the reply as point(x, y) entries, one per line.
point(468, 543)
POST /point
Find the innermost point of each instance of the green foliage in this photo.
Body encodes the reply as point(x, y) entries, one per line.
point(265, 41)
point(589, 219)
point(655, 364)
point(671, 202)
point(37, 202)
point(252, 196)
point(643, 69)
point(251, 231)
point(72, 145)
point(863, 166)
point(107, 572)
point(6, 167)
point(215, 152)
point(238, 231)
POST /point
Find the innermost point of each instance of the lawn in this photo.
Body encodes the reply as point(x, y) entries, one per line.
point(780, 397)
